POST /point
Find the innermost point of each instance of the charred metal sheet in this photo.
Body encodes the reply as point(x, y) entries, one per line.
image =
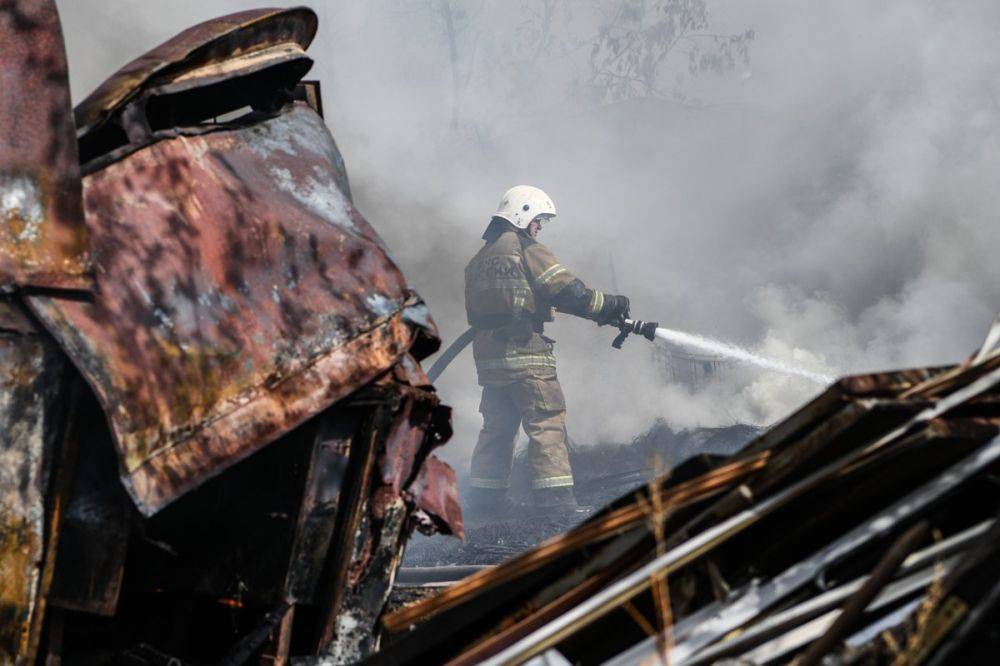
point(200, 46)
point(30, 417)
point(403, 440)
point(435, 492)
point(404, 445)
point(95, 529)
point(408, 469)
point(311, 93)
point(409, 372)
point(853, 387)
point(235, 66)
point(352, 531)
point(405, 464)
point(239, 294)
point(13, 318)
point(356, 629)
point(231, 538)
point(43, 241)
point(387, 456)
point(317, 518)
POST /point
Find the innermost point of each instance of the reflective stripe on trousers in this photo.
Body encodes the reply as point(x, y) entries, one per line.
point(552, 482)
point(537, 404)
point(491, 484)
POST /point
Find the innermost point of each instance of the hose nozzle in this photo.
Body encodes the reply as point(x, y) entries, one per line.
point(646, 329)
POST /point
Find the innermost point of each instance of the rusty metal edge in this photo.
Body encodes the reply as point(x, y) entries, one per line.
point(67, 277)
point(207, 80)
point(60, 488)
point(145, 483)
point(310, 399)
point(116, 90)
point(356, 495)
point(118, 154)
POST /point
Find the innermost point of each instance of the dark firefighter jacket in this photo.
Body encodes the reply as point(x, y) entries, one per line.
point(512, 286)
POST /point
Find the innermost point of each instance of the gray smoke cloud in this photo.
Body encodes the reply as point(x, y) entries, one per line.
point(832, 203)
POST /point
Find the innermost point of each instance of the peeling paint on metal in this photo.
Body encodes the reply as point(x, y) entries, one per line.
point(21, 209)
point(43, 240)
point(321, 196)
point(419, 315)
point(380, 305)
point(228, 311)
point(320, 188)
point(30, 370)
point(436, 494)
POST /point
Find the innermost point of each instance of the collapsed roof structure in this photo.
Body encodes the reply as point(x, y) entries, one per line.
point(862, 527)
point(217, 434)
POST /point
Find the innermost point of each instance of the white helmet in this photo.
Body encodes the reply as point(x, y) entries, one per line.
point(523, 203)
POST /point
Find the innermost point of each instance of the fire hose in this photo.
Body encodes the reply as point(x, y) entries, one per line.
point(625, 326)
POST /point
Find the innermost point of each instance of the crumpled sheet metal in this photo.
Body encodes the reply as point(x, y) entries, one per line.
point(404, 444)
point(30, 369)
point(209, 42)
point(435, 491)
point(43, 240)
point(239, 293)
point(407, 468)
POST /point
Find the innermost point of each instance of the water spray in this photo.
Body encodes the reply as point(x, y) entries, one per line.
point(652, 331)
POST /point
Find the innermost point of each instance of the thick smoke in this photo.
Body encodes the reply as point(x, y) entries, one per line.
point(832, 203)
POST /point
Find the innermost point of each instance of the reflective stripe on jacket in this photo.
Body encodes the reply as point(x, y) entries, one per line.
point(510, 286)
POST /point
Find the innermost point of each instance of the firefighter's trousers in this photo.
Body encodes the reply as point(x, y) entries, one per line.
point(538, 404)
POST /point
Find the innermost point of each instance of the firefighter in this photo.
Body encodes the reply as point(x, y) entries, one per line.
point(512, 287)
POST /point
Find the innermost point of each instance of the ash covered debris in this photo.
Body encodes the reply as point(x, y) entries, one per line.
point(217, 435)
point(606, 470)
point(488, 542)
point(603, 472)
point(862, 528)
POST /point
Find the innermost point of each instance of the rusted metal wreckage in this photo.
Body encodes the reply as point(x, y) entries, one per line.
point(862, 528)
point(216, 431)
point(217, 435)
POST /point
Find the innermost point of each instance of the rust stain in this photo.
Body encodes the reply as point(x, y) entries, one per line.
point(239, 293)
point(13, 319)
point(43, 240)
point(436, 493)
point(29, 387)
point(886, 384)
point(20, 547)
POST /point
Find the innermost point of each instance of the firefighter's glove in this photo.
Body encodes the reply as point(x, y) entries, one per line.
point(614, 310)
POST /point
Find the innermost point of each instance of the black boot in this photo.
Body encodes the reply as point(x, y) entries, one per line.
point(551, 501)
point(483, 504)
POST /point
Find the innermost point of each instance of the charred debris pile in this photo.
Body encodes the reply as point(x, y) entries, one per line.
point(217, 436)
point(603, 472)
point(216, 433)
point(861, 529)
